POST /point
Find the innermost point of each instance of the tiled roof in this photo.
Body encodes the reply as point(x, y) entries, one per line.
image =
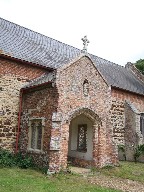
point(25, 44)
point(119, 76)
point(47, 77)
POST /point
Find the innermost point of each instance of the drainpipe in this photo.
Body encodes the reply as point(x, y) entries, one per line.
point(19, 120)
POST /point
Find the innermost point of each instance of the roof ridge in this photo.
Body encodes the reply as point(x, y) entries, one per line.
point(60, 42)
point(36, 48)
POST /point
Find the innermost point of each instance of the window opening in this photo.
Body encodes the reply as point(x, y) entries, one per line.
point(85, 87)
point(82, 138)
point(36, 134)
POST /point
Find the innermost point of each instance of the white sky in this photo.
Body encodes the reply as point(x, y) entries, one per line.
point(115, 28)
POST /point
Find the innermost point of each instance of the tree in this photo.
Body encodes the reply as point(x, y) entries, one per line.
point(140, 65)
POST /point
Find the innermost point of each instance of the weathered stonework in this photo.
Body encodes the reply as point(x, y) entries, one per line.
point(133, 135)
point(60, 105)
point(74, 108)
point(125, 117)
point(118, 120)
point(96, 105)
point(39, 104)
point(122, 96)
point(9, 105)
point(79, 90)
point(13, 76)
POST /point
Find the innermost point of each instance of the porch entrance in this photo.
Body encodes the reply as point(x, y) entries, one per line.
point(80, 149)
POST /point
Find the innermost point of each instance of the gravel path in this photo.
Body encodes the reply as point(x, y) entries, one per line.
point(125, 185)
point(117, 183)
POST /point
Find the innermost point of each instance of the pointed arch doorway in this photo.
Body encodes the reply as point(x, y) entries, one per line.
point(83, 138)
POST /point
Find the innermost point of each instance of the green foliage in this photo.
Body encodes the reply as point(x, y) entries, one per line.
point(122, 149)
point(23, 162)
point(140, 65)
point(139, 150)
point(108, 167)
point(8, 159)
point(44, 170)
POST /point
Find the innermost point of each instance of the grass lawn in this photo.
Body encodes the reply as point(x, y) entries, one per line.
point(15, 179)
point(126, 170)
point(28, 180)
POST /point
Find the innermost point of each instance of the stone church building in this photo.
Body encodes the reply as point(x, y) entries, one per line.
point(59, 103)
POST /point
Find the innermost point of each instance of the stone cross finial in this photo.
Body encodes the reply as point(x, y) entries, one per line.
point(85, 44)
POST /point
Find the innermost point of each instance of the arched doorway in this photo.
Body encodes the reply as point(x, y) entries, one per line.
point(83, 138)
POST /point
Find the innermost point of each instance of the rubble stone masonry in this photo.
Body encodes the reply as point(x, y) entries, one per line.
point(119, 98)
point(79, 89)
point(13, 76)
point(72, 99)
point(60, 104)
point(38, 104)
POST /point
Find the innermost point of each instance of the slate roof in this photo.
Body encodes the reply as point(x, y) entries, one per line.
point(25, 44)
point(47, 77)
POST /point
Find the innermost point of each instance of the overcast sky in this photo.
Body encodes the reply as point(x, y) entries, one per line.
point(115, 28)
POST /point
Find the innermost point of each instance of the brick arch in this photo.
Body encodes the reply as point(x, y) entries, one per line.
point(87, 112)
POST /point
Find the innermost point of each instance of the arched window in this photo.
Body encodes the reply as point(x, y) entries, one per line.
point(85, 87)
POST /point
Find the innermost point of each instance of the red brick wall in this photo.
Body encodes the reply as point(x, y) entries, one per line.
point(13, 76)
point(121, 95)
point(25, 71)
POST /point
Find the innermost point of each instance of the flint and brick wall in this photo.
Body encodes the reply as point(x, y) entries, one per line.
point(59, 105)
point(118, 111)
point(38, 104)
point(133, 135)
point(70, 86)
point(13, 76)
point(69, 82)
